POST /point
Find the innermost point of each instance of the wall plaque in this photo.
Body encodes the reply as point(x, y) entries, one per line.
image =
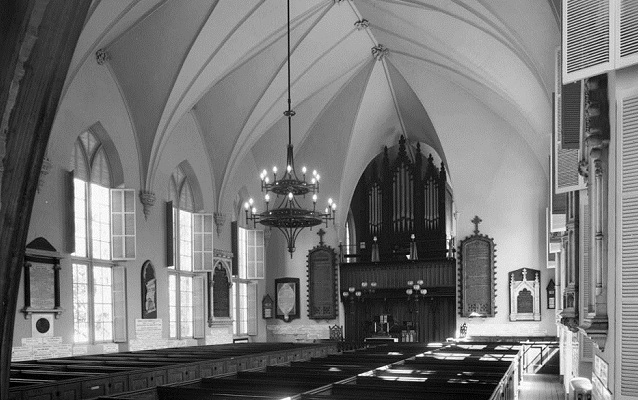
point(551, 294)
point(322, 281)
point(525, 295)
point(41, 279)
point(149, 291)
point(267, 306)
point(221, 292)
point(477, 275)
point(287, 298)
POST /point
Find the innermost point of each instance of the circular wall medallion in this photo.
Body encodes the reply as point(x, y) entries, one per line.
point(42, 325)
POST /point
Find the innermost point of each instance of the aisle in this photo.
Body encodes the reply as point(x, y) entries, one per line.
point(541, 387)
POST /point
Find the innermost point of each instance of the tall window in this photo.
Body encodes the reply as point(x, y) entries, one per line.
point(188, 232)
point(249, 248)
point(104, 230)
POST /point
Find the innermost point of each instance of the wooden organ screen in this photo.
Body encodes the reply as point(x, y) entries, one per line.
point(400, 197)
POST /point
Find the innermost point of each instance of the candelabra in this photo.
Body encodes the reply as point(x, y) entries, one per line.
point(415, 290)
point(354, 294)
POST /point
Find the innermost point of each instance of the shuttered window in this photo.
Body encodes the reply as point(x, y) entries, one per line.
point(189, 248)
point(586, 38)
point(249, 251)
point(629, 246)
point(567, 135)
point(598, 36)
point(101, 228)
point(627, 32)
point(99, 303)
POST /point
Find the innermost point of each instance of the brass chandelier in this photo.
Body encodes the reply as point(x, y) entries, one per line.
point(289, 216)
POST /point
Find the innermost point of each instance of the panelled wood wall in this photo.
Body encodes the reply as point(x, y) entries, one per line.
point(432, 315)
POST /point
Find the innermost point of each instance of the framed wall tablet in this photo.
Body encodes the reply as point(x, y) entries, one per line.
point(41, 279)
point(477, 272)
point(322, 281)
point(287, 298)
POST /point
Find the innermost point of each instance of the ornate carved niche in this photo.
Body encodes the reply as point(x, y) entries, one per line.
point(322, 281)
point(525, 295)
point(477, 274)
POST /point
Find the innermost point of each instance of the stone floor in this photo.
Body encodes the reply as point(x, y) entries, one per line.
point(541, 387)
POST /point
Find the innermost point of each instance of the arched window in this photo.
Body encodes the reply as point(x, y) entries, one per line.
point(190, 250)
point(104, 230)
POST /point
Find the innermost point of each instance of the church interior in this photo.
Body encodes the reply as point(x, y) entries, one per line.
point(318, 198)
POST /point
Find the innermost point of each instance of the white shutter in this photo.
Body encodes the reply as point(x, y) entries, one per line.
point(626, 23)
point(586, 348)
point(123, 224)
point(255, 254)
point(567, 138)
point(119, 303)
point(629, 246)
point(203, 242)
point(587, 38)
point(241, 252)
point(199, 307)
point(170, 218)
point(575, 342)
point(252, 308)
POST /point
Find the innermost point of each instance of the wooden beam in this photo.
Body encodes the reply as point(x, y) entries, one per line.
point(54, 26)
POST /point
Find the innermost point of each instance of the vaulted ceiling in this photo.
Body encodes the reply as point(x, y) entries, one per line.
point(225, 61)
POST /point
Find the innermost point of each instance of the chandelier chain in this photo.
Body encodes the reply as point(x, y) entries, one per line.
point(288, 215)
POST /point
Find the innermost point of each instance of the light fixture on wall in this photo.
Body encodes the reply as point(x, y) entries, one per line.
point(289, 216)
point(415, 290)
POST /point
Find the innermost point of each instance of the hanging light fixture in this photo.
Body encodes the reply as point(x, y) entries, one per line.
point(288, 215)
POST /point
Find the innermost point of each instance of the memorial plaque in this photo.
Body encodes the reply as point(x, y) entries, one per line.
point(149, 291)
point(287, 298)
point(525, 301)
point(42, 287)
point(41, 279)
point(524, 285)
point(322, 283)
point(221, 293)
point(477, 275)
